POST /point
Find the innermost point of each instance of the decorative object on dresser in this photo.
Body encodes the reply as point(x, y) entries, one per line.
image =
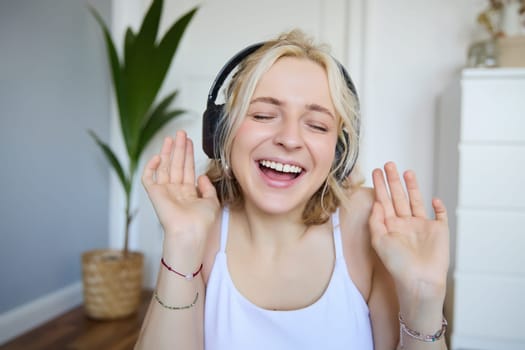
point(113, 279)
point(511, 41)
point(503, 23)
point(480, 167)
point(511, 51)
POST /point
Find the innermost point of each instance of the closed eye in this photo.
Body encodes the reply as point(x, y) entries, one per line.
point(319, 128)
point(262, 117)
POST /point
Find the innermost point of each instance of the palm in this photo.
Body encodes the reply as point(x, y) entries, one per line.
point(179, 206)
point(412, 247)
point(169, 179)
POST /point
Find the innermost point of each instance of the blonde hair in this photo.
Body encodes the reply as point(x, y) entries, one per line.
point(238, 95)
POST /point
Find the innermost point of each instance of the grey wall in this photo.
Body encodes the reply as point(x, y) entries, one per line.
point(54, 86)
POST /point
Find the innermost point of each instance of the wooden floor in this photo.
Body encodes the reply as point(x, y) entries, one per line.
point(74, 330)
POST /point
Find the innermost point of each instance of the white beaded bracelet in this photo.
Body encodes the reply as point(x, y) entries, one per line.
point(427, 338)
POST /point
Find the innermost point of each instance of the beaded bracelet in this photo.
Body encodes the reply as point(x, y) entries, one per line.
point(427, 338)
point(164, 305)
point(188, 277)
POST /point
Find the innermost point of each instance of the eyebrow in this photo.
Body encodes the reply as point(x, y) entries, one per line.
point(312, 107)
point(270, 100)
point(318, 108)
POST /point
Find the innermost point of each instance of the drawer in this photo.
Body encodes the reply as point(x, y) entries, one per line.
point(489, 306)
point(491, 176)
point(490, 242)
point(493, 109)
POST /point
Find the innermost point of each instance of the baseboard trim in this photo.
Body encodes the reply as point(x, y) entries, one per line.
point(34, 313)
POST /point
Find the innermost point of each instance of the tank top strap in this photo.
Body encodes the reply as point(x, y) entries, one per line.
point(224, 228)
point(338, 242)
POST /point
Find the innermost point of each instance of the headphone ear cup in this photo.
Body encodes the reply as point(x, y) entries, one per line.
point(211, 119)
point(341, 174)
point(337, 160)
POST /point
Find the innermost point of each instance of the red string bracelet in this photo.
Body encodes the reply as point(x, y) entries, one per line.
point(188, 277)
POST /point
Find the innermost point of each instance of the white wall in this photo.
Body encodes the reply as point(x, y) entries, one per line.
point(412, 50)
point(402, 54)
point(54, 178)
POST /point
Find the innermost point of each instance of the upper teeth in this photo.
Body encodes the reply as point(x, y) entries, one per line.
point(286, 168)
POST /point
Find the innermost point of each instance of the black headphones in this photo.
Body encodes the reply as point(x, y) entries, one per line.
point(214, 113)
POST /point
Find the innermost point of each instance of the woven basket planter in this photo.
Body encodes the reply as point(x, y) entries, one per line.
point(112, 283)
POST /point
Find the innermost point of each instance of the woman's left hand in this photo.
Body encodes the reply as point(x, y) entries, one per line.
point(413, 247)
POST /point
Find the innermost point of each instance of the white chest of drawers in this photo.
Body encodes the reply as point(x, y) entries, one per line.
point(480, 174)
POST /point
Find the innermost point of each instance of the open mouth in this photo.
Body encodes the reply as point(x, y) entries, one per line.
point(280, 171)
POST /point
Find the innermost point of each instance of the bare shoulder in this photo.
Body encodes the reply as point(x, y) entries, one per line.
point(357, 246)
point(355, 211)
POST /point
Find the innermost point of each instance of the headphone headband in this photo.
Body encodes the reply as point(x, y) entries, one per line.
point(228, 68)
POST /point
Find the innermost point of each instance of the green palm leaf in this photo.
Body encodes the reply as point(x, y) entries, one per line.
point(137, 79)
point(113, 160)
point(157, 119)
point(169, 44)
point(147, 65)
point(116, 74)
point(129, 42)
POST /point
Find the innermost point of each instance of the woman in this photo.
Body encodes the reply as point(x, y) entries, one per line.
point(278, 246)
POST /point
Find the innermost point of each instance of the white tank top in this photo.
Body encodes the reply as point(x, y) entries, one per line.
point(338, 320)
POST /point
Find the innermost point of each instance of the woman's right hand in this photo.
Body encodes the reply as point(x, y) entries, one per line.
point(185, 211)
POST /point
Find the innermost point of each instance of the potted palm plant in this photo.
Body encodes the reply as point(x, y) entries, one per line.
point(113, 278)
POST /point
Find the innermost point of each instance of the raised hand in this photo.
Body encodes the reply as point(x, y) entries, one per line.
point(186, 212)
point(413, 247)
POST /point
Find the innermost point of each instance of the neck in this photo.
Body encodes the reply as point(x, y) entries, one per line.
point(270, 231)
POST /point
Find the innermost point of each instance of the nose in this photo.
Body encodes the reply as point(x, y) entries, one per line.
point(289, 135)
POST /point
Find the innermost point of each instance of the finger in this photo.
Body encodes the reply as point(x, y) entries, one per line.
point(381, 193)
point(177, 161)
point(189, 164)
point(440, 210)
point(414, 195)
point(206, 188)
point(149, 171)
point(399, 198)
point(163, 171)
point(376, 222)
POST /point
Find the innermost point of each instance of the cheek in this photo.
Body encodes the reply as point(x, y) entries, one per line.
point(324, 151)
point(248, 134)
point(244, 140)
